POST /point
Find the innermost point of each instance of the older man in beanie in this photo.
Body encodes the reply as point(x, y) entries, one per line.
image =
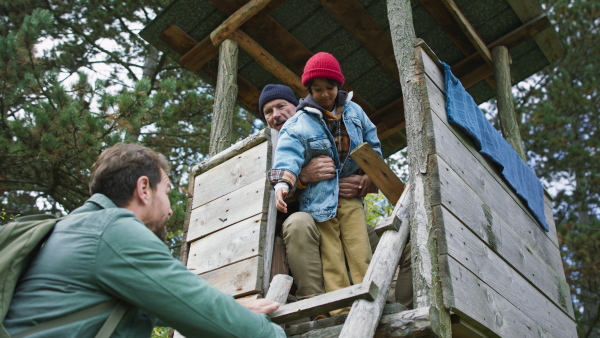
point(277, 104)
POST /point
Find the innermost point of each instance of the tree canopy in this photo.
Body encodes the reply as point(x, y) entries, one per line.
point(559, 107)
point(76, 78)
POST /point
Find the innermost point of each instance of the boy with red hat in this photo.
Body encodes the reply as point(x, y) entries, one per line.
point(328, 123)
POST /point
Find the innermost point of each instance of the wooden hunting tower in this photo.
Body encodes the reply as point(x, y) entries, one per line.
point(482, 263)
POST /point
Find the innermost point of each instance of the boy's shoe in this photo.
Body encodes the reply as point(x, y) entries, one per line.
point(320, 316)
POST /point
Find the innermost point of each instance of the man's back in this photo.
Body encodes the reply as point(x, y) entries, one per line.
point(63, 278)
point(108, 253)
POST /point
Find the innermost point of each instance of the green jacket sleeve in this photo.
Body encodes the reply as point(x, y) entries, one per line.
point(134, 265)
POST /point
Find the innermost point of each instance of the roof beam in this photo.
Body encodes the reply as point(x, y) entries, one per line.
point(473, 69)
point(199, 55)
point(459, 29)
point(547, 39)
point(237, 19)
point(207, 49)
point(267, 32)
point(469, 30)
point(444, 18)
point(470, 71)
point(182, 43)
point(357, 21)
point(268, 62)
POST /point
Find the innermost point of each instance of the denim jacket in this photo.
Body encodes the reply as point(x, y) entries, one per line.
point(305, 136)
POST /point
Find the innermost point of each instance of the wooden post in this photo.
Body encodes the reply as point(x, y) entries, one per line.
point(426, 274)
point(379, 172)
point(268, 61)
point(221, 133)
point(280, 288)
point(325, 302)
point(506, 109)
point(364, 315)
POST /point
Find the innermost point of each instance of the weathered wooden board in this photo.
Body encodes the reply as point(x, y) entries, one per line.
point(490, 268)
point(232, 244)
point(238, 279)
point(496, 206)
point(458, 151)
point(409, 323)
point(229, 209)
point(471, 189)
point(268, 236)
point(433, 68)
point(326, 302)
point(471, 298)
point(552, 234)
point(483, 219)
point(236, 149)
point(435, 87)
point(232, 175)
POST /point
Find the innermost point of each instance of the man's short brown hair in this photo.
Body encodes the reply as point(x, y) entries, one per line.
point(118, 168)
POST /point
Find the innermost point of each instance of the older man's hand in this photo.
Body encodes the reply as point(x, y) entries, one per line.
point(318, 169)
point(356, 185)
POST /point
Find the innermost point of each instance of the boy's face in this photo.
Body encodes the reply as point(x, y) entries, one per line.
point(324, 93)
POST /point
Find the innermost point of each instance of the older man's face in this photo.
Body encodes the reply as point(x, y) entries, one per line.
point(277, 112)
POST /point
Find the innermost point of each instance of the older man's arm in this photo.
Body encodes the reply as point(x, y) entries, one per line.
point(322, 168)
point(318, 169)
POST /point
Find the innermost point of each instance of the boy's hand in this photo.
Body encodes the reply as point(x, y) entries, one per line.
point(279, 196)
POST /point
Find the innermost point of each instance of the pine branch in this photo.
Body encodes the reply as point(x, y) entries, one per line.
point(90, 41)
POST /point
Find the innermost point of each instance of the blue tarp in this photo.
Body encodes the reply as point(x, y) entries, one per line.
point(464, 113)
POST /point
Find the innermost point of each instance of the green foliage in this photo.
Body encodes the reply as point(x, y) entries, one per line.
point(378, 207)
point(160, 332)
point(5, 218)
point(76, 78)
point(561, 112)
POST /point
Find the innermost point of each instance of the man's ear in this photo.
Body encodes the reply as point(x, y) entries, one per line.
point(143, 190)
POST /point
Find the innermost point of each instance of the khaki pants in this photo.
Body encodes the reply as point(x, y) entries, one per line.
point(302, 240)
point(344, 238)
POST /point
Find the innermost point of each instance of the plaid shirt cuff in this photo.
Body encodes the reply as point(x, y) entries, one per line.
point(282, 175)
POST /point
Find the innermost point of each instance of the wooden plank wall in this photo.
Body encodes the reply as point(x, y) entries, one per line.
point(228, 231)
point(500, 270)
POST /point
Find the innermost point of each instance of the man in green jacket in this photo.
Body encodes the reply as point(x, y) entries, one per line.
point(112, 247)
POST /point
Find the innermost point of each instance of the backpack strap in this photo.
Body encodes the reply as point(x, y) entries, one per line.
point(113, 320)
point(118, 307)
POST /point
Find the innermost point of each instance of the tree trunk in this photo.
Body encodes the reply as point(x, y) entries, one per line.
point(419, 124)
point(221, 133)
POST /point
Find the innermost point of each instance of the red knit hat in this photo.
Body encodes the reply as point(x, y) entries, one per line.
point(322, 65)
